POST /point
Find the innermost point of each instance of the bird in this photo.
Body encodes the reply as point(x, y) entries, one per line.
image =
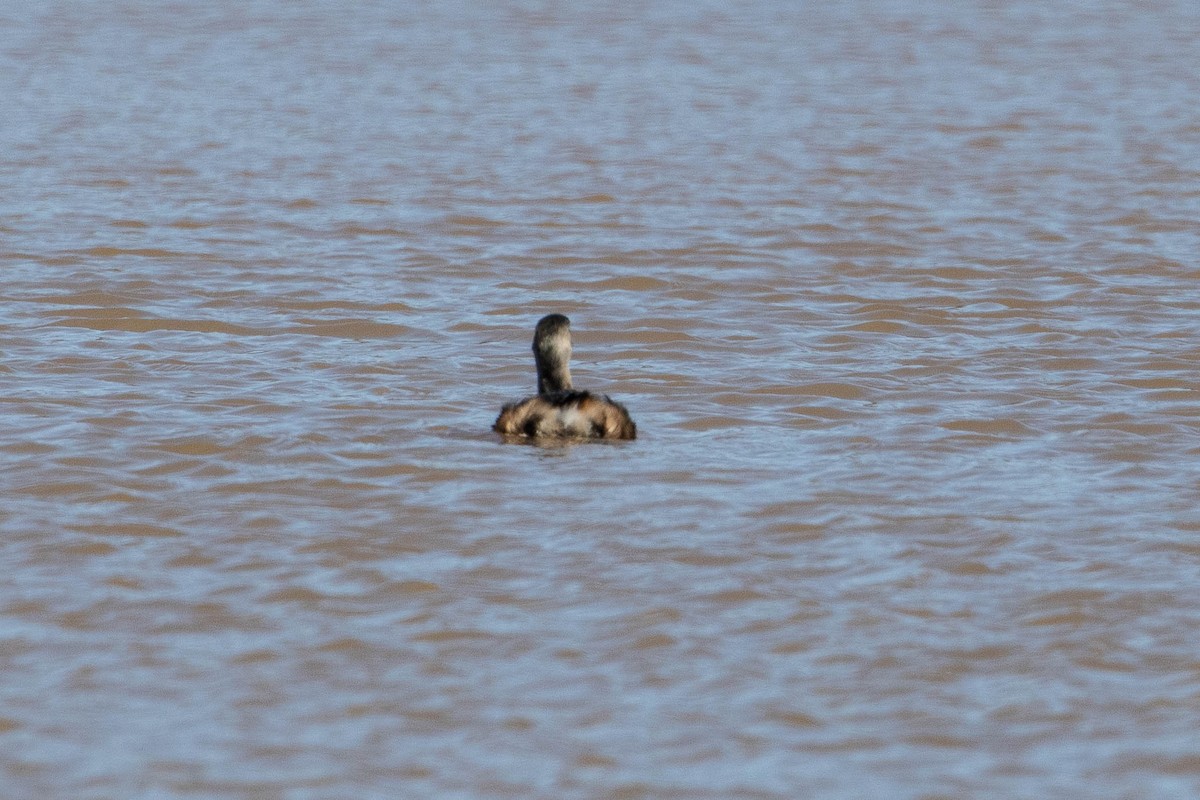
point(558, 410)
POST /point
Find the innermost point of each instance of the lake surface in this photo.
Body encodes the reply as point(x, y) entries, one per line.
point(902, 296)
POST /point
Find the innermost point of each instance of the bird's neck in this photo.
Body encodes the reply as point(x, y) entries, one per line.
point(553, 376)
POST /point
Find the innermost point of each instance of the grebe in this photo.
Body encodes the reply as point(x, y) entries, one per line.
point(559, 410)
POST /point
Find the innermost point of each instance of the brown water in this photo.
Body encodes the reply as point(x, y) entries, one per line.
point(902, 295)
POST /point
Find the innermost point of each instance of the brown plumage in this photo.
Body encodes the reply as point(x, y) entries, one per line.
point(558, 410)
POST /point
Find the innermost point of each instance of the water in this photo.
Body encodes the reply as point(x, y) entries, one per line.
point(900, 294)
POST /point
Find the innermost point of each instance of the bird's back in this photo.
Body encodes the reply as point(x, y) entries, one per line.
point(568, 414)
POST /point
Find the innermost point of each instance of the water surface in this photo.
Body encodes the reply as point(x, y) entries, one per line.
point(902, 298)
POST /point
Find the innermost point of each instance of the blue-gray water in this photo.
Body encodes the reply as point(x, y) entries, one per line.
point(902, 296)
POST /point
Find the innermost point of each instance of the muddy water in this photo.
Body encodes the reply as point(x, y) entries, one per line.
point(903, 299)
